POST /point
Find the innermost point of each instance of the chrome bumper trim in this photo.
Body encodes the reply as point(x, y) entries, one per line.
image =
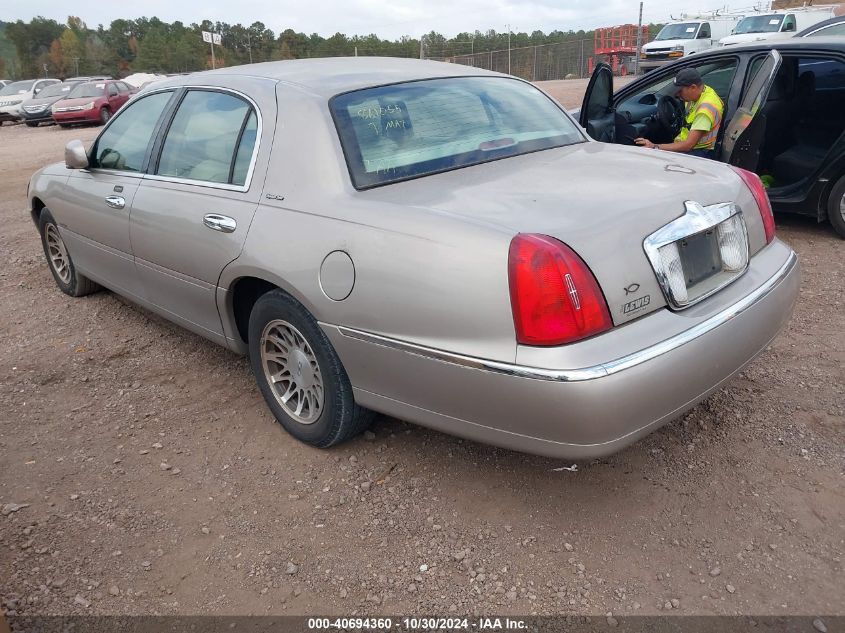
point(594, 371)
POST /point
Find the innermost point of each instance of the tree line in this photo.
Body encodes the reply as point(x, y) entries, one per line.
point(45, 47)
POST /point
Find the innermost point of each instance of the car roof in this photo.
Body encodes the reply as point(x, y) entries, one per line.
point(333, 75)
point(820, 25)
point(830, 42)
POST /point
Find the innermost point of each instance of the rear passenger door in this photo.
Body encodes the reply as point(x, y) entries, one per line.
point(192, 211)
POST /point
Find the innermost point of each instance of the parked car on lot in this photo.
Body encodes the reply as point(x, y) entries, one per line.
point(784, 117)
point(38, 109)
point(92, 102)
point(5, 82)
point(14, 94)
point(828, 28)
point(435, 242)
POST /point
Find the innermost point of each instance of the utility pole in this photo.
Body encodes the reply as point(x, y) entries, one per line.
point(509, 48)
point(422, 47)
point(639, 41)
point(76, 65)
point(249, 46)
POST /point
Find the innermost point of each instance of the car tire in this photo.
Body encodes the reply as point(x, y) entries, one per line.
point(64, 125)
point(32, 124)
point(836, 207)
point(69, 280)
point(105, 115)
point(300, 375)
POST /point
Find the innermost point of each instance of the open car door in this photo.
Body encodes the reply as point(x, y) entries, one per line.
point(597, 115)
point(747, 129)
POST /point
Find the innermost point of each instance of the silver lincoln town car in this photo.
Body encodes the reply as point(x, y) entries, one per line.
point(430, 241)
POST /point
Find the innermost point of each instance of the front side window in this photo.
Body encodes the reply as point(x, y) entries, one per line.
point(789, 23)
point(124, 143)
point(704, 33)
point(209, 134)
point(112, 90)
point(402, 131)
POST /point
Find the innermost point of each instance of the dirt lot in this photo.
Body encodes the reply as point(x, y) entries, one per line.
point(153, 479)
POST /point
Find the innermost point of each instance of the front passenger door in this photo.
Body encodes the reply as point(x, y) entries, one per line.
point(93, 209)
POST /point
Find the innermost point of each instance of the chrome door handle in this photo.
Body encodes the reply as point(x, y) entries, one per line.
point(220, 222)
point(116, 202)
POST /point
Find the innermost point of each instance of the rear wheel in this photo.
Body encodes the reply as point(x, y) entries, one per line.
point(68, 279)
point(105, 115)
point(836, 207)
point(300, 375)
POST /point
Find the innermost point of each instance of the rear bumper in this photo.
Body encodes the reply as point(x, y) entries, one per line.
point(593, 409)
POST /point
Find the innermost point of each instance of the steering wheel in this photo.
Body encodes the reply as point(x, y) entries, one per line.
point(670, 114)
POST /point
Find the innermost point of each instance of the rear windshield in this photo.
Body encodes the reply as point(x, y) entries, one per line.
point(87, 90)
point(414, 129)
point(56, 90)
point(17, 87)
point(759, 24)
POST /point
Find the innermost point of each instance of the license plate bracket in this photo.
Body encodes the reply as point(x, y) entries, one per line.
point(700, 256)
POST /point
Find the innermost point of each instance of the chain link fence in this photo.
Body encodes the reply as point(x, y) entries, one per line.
point(564, 60)
point(534, 63)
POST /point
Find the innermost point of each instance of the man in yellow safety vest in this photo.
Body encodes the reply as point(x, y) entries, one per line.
point(704, 110)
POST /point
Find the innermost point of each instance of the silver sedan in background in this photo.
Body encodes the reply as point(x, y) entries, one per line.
point(430, 241)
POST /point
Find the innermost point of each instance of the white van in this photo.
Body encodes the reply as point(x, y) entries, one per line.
point(776, 25)
point(685, 37)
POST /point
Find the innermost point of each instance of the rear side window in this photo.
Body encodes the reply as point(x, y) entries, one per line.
point(123, 145)
point(402, 131)
point(211, 139)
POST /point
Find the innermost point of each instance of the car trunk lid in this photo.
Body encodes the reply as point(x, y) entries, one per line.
point(600, 200)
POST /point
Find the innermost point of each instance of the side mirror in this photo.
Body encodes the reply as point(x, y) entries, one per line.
point(75, 156)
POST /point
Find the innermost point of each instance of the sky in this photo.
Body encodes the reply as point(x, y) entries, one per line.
point(389, 19)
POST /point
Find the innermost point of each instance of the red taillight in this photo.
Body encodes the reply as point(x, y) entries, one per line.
point(755, 185)
point(554, 297)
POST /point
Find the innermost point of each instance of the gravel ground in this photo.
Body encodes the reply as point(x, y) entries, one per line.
point(141, 473)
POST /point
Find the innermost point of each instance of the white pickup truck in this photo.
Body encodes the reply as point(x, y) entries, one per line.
point(685, 37)
point(776, 24)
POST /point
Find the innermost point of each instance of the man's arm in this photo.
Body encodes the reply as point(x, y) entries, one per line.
point(679, 146)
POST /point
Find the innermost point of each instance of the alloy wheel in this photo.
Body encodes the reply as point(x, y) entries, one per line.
point(59, 259)
point(292, 371)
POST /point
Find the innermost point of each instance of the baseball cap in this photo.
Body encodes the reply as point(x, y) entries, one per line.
point(688, 77)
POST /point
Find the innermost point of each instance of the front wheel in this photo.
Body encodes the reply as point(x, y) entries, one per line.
point(105, 115)
point(68, 279)
point(300, 375)
point(32, 124)
point(836, 207)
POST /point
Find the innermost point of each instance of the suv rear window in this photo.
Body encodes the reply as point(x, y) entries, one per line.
point(402, 131)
